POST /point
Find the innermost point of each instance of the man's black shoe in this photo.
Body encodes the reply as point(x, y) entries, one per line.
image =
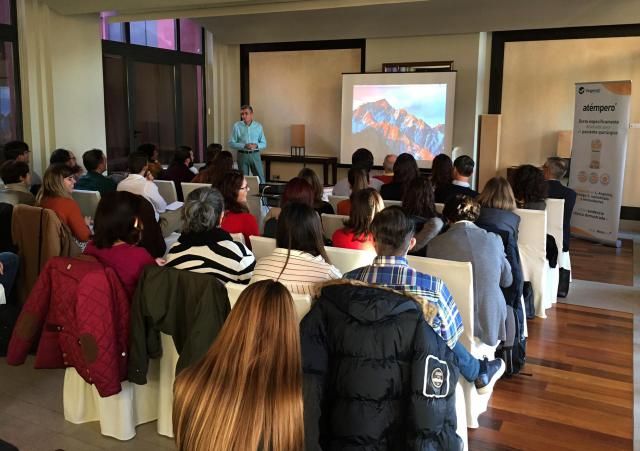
point(492, 371)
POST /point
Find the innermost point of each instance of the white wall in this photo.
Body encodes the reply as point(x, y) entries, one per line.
point(61, 80)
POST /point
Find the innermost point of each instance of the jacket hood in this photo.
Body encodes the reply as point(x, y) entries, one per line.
point(372, 303)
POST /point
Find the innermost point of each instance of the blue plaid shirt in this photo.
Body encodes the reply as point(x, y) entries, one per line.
point(395, 273)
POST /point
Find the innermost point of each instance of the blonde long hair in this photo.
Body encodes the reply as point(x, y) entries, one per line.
point(53, 182)
point(246, 393)
point(497, 193)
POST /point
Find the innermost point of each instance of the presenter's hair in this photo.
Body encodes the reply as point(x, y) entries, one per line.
point(497, 193)
point(529, 184)
point(464, 164)
point(246, 393)
point(246, 107)
point(418, 199)
point(556, 167)
point(441, 170)
point(461, 208)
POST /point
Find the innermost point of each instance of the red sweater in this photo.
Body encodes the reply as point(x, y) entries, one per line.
point(126, 260)
point(244, 223)
point(69, 213)
point(345, 238)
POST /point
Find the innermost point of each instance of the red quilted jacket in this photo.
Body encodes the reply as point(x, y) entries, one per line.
point(83, 312)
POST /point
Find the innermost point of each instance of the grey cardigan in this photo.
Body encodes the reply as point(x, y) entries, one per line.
point(466, 242)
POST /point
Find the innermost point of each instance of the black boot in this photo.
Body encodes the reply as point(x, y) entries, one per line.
point(563, 283)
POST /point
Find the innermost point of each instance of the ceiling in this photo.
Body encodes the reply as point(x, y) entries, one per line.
point(251, 21)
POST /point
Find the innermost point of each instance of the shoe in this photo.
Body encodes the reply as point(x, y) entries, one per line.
point(487, 379)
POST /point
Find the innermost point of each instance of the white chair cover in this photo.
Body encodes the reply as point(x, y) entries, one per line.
point(331, 223)
point(238, 237)
point(461, 415)
point(439, 208)
point(458, 276)
point(118, 414)
point(532, 243)
point(333, 200)
point(171, 239)
point(349, 259)
point(261, 246)
point(187, 187)
point(389, 203)
point(87, 201)
point(167, 374)
point(167, 190)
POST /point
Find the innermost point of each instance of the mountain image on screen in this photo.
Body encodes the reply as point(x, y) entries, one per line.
point(401, 131)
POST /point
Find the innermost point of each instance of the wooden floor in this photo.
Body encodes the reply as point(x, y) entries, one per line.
point(600, 263)
point(575, 391)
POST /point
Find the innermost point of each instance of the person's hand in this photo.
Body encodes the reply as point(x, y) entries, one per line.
point(161, 261)
point(88, 221)
point(149, 176)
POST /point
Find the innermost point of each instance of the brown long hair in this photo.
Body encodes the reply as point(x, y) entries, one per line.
point(230, 186)
point(365, 204)
point(52, 182)
point(246, 393)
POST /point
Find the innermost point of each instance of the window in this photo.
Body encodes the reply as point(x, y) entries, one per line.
point(190, 36)
point(154, 33)
point(10, 112)
point(112, 31)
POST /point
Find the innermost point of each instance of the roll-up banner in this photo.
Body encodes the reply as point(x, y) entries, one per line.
point(601, 124)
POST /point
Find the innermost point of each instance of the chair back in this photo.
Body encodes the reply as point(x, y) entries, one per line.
point(439, 208)
point(331, 223)
point(167, 190)
point(533, 228)
point(349, 259)
point(389, 203)
point(301, 302)
point(87, 201)
point(261, 246)
point(334, 200)
point(253, 182)
point(555, 220)
point(187, 187)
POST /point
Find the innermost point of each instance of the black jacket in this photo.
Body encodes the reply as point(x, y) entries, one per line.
point(445, 192)
point(376, 375)
point(505, 224)
point(557, 190)
point(392, 191)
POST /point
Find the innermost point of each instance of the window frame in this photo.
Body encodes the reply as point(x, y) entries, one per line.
point(9, 33)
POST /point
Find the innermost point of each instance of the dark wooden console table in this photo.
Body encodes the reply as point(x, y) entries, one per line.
point(324, 161)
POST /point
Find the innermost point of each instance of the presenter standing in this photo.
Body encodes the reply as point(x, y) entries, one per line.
point(248, 139)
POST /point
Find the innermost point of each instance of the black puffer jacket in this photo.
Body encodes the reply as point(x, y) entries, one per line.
point(376, 375)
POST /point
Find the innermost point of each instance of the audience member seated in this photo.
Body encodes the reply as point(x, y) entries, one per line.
point(357, 181)
point(405, 170)
point(356, 233)
point(320, 205)
point(204, 247)
point(9, 264)
point(462, 172)
point(139, 181)
point(17, 181)
point(360, 159)
point(66, 157)
point(554, 169)
point(95, 163)
point(299, 260)
point(393, 237)
point(466, 242)
point(55, 194)
point(179, 171)
point(529, 188)
point(213, 150)
point(118, 231)
point(387, 167)
point(19, 151)
point(152, 154)
point(496, 215)
point(297, 190)
point(376, 376)
point(214, 173)
point(246, 392)
point(441, 171)
point(417, 202)
point(237, 218)
point(152, 238)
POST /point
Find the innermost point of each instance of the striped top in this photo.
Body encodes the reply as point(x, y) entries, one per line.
point(303, 272)
point(213, 252)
